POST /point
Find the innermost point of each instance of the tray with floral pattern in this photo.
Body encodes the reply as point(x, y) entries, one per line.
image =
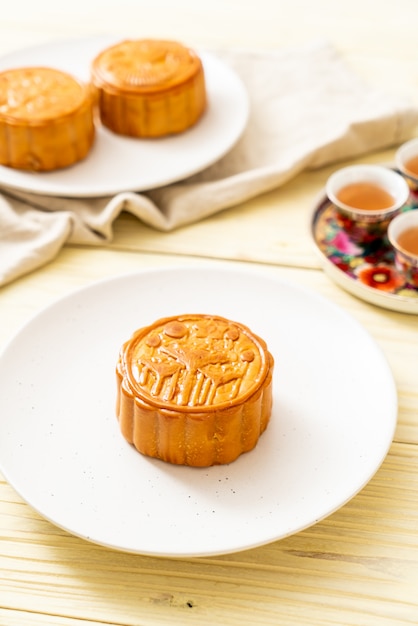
point(366, 269)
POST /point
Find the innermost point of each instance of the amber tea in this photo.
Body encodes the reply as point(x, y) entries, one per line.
point(408, 240)
point(365, 196)
point(412, 165)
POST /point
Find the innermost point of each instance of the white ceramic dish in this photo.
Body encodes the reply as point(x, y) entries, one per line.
point(61, 449)
point(118, 163)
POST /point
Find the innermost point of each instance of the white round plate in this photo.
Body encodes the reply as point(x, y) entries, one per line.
point(62, 451)
point(117, 163)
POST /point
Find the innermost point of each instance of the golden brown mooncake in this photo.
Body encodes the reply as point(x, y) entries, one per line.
point(194, 389)
point(46, 119)
point(149, 87)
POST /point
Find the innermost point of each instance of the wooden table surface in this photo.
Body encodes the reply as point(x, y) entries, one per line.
point(359, 566)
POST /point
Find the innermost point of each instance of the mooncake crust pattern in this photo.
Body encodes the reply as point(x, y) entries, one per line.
point(194, 389)
point(149, 87)
point(46, 119)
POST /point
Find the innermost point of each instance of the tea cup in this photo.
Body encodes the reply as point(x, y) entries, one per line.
point(366, 198)
point(406, 160)
point(403, 237)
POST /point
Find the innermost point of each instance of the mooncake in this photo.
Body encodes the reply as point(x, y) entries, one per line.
point(149, 87)
point(46, 119)
point(194, 389)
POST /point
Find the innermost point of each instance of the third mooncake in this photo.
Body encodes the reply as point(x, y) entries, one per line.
point(46, 119)
point(194, 389)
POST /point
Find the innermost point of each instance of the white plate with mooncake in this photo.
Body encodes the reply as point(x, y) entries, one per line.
point(117, 163)
point(333, 419)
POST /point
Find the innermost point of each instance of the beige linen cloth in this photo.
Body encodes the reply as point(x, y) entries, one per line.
point(307, 109)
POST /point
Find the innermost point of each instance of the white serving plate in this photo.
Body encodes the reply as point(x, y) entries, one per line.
point(117, 163)
point(62, 451)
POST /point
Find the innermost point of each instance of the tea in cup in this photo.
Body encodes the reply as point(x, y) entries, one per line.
point(406, 159)
point(403, 237)
point(366, 198)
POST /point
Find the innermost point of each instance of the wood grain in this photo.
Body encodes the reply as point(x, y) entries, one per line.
point(319, 576)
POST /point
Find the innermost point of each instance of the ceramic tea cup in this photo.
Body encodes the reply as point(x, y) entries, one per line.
point(403, 237)
point(366, 197)
point(406, 160)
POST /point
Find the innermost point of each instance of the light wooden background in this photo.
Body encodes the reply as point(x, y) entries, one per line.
point(358, 567)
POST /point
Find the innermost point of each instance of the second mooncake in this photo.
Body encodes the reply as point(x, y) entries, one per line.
point(149, 87)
